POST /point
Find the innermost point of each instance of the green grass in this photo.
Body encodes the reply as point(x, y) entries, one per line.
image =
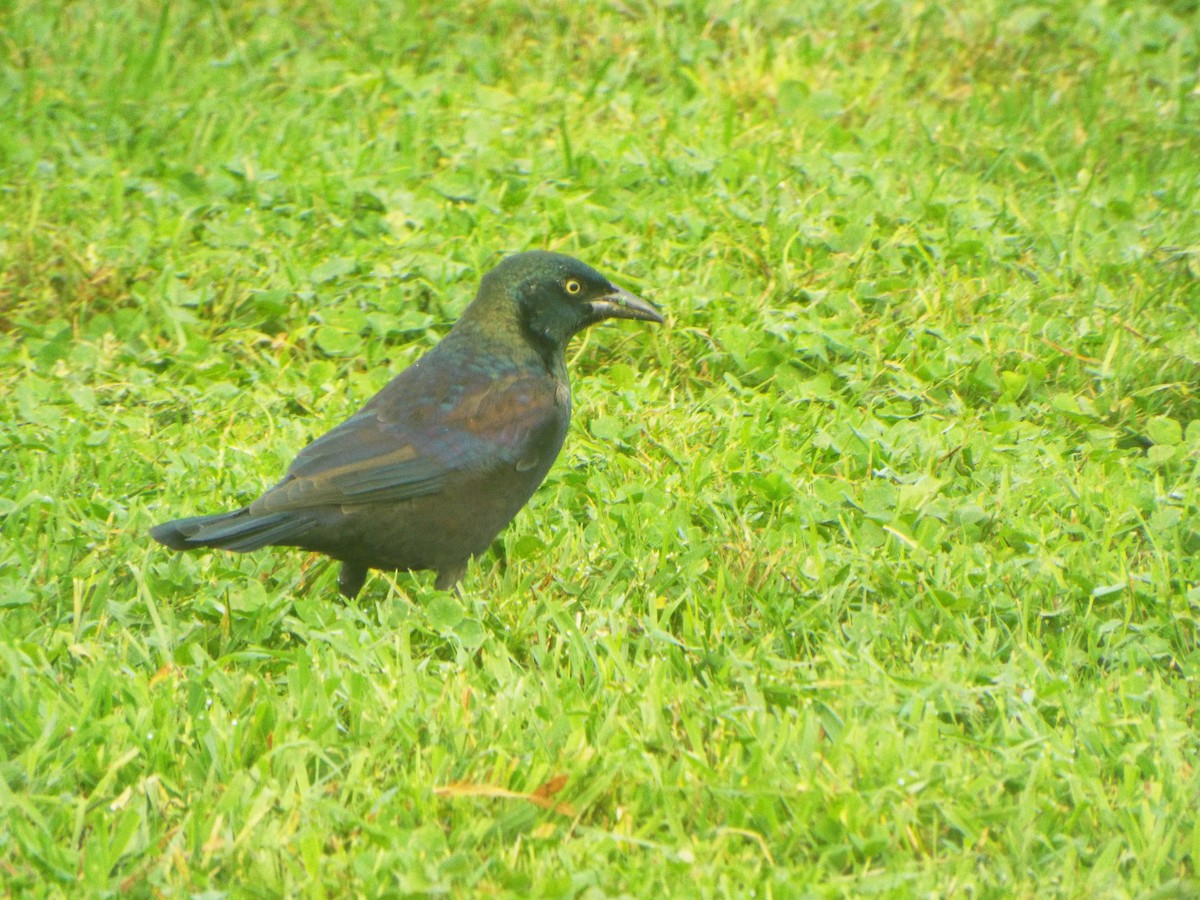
point(875, 571)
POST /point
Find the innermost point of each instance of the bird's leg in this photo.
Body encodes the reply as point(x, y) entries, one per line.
point(448, 578)
point(350, 579)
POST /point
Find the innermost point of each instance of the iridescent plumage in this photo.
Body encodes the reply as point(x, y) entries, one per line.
point(430, 470)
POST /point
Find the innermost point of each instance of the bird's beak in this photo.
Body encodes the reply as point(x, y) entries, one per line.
point(620, 304)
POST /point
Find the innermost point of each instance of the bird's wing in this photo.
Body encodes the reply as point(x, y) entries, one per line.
point(408, 439)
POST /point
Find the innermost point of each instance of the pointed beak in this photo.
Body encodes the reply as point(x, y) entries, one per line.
point(620, 304)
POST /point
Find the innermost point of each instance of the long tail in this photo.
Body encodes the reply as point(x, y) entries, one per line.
point(239, 530)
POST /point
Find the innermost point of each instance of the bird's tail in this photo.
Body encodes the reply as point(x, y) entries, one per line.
point(239, 530)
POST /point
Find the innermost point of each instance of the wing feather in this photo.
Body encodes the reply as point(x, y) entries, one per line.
point(408, 439)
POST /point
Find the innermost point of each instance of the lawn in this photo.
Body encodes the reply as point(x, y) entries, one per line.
point(875, 571)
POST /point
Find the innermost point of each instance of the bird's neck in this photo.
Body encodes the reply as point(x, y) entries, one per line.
point(504, 339)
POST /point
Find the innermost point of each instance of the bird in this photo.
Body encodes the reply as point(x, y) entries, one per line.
point(443, 457)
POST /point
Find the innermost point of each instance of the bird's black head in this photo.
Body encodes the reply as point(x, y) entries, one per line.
point(557, 296)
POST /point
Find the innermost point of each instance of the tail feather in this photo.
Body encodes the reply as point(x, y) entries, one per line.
point(240, 530)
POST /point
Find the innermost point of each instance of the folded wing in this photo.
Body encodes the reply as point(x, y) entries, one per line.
point(407, 440)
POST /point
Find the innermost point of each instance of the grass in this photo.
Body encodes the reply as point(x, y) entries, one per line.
point(874, 572)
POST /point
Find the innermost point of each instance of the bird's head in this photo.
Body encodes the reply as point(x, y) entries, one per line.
point(556, 296)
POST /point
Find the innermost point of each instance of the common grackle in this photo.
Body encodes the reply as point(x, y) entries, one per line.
point(430, 470)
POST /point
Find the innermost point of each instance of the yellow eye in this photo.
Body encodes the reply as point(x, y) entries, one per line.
point(573, 286)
